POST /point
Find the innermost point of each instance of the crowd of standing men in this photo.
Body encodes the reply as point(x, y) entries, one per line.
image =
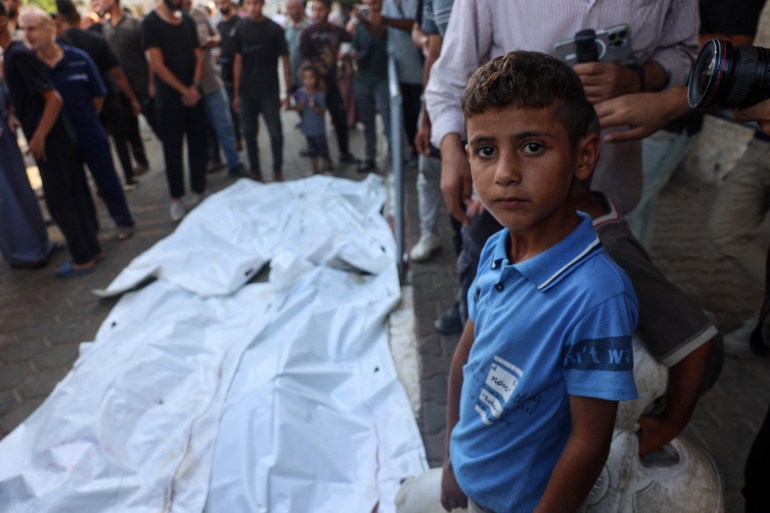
point(194, 82)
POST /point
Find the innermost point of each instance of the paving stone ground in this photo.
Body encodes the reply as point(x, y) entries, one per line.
point(43, 320)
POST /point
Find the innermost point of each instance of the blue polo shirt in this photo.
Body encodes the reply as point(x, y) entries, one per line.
point(555, 325)
point(76, 78)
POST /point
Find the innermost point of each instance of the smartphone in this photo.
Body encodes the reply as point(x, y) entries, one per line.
point(364, 10)
point(613, 44)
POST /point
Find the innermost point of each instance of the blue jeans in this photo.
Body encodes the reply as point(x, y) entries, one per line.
point(371, 98)
point(218, 112)
point(661, 154)
point(269, 105)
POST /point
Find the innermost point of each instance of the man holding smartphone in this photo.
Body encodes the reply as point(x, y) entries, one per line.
point(664, 47)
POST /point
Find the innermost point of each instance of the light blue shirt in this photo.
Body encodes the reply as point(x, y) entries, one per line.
point(400, 45)
point(554, 325)
point(292, 34)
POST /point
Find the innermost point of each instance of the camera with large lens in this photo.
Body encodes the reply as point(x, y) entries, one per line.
point(729, 76)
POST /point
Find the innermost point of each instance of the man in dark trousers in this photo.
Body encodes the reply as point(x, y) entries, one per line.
point(319, 44)
point(123, 33)
point(38, 106)
point(176, 59)
point(259, 45)
point(112, 114)
point(226, 29)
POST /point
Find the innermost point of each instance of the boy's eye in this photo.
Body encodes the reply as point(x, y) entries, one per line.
point(532, 148)
point(485, 151)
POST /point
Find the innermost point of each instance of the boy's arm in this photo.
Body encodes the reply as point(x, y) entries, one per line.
point(583, 457)
point(451, 494)
point(685, 380)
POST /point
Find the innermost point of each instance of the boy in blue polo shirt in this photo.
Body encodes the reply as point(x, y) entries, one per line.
point(546, 352)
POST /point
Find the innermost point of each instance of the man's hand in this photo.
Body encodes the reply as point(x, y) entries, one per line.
point(641, 114)
point(456, 181)
point(375, 17)
point(656, 432)
point(191, 97)
point(420, 39)
point(422, 138)
point(759, 113)
point(236, 103)
point(37, 148)
point(451, 495)
point(605, 80)
point(136, 107)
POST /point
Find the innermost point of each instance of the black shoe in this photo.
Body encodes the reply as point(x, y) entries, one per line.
point(365, 166)
point(348, 158)
point(449, 321)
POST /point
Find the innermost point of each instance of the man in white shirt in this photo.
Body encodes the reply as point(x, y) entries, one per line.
point(664, 43)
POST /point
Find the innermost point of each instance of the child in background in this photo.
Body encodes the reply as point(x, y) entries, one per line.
point(311, 103)
point(546, 353)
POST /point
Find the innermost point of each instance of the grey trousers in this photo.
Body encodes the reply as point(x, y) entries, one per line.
point(743, 199)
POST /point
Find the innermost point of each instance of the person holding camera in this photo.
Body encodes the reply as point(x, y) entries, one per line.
point(663, 47)
point(663, 150)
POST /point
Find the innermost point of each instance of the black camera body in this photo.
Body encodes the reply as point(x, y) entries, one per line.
point(729, 76)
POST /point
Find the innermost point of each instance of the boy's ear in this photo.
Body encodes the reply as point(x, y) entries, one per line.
point(587, 155)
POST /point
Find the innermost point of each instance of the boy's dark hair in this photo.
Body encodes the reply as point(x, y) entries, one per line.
point(327, 3)
point(3, 12)
point(530, 80)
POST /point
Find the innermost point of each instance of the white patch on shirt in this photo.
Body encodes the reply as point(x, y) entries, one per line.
point(503, 377)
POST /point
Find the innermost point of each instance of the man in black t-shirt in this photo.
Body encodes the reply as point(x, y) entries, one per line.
point(176, 59)
point(38, 106)
point(259, 44)
point(319, 44)
point(226, 29)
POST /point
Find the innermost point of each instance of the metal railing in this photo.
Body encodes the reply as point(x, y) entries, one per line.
point(397, 164)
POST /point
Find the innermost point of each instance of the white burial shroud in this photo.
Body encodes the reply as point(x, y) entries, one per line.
point(204, 393)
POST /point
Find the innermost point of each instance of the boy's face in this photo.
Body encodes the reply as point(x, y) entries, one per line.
point(308, 79)
point(523, 165)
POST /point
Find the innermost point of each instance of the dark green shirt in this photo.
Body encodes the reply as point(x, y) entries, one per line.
point(372, 65)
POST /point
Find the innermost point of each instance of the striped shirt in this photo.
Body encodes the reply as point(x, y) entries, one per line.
point(665, 31)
